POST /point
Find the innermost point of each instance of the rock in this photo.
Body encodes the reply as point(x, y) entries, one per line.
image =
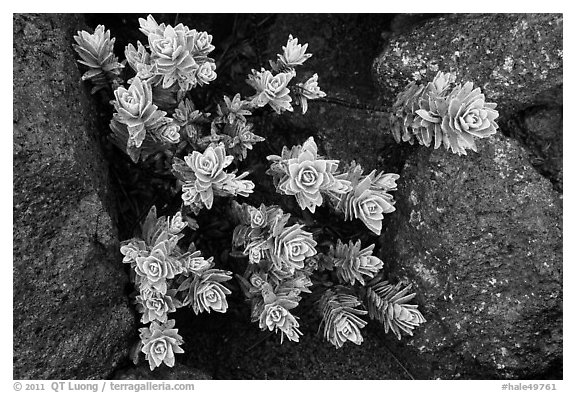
point(540, 131)
point(515, 58)
point(178, 372)
point(71, 315)
point(402, 23)
point(480, 236)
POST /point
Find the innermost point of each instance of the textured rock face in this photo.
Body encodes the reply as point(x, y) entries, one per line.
point(540, 130)
point(480, 236)
point(515, 58)
point(71, 316)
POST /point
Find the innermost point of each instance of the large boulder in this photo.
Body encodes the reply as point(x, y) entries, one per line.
point(515, 58)
point(71, 313)
point(480, 236)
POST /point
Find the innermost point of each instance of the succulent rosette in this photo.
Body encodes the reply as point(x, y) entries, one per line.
point(206, 73)
point(353, 264)
point(255, 250)
point(160, 343)
point(389, 304)
point(170, 52)
point(291, 247)
point(206, 292)
point(369, 198)
point(178, 54)
point(341, 319)
point(139, 60)
point(309, 90)
point(155, 306)
point(203, 43)
point(467, 116)
point(208, 168)
point(197, 264)
point(203, 176)
point(258, 216)
point(275, 317)
point(175, 225)
point(169, 132)
point(403, 119)
point(155, 268)
point(212, 295)
point(346, 327)
point(234, 109)
point(306, 177)
point(257, 280)
point(274, 314)
point(133, 249)
point(293, 54)
point(271, 89)
point(134, 108)
point(302, 173)
point(453, 118)
point(97, 52)
point(370, 206)
point(150, 26)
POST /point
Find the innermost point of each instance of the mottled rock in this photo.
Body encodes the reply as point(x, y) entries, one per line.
point(515, 58)
point(480, 236)
point(71, 315)
point(178, 372)
point(540, 131)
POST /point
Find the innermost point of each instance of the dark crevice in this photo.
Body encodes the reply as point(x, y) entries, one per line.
point(539, 130)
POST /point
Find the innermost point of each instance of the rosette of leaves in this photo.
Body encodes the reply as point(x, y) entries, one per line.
point(97, 52)
point(272, 87)
point(157, 263)
point(155, 258)
point(138, 59)
point(278, 270)
point(191, 122)
point(138, 117)
point(308, 90)
point(177, 55)
point(389, 305)
point(280, 250)
point(233, 129)
point(452, 115)
point(160, 342)
point(353, 263)
point(301, 172)
point(369, 198)
point(203, 287)
point(234, 110)
point(272, 299)
point(341, 317)
point(294, 54)
point(155, 305)
point(203, 176)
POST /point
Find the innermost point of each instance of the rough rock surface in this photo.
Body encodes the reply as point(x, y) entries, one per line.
point(515, 58)
point(540, 131)
point(71, 314)
point(480, 236)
